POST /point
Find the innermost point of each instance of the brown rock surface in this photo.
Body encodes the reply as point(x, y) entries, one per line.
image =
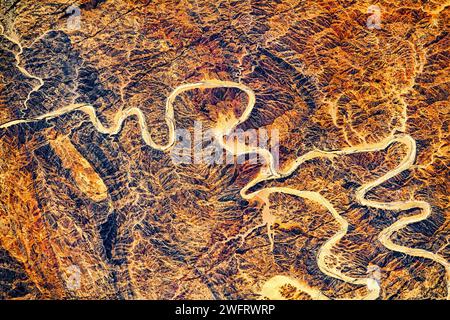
point(87, 214)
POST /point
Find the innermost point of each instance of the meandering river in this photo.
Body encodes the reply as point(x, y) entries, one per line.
point(269, 172)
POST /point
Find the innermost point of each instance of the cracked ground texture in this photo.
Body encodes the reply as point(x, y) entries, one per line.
point(362, 116)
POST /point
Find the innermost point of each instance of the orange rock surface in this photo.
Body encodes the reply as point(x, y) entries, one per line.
point(93, 205)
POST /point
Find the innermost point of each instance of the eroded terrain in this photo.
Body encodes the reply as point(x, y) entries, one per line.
point(93, 205)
